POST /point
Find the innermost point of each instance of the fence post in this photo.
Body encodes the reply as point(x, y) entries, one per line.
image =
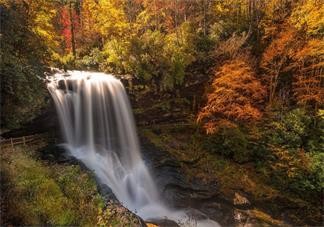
point(24, 141)
point(12, 145)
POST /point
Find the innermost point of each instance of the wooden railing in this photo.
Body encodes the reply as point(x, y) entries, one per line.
point(25, 140)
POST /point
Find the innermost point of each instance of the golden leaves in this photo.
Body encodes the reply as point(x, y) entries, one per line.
point(235, 97)
point(309, 62)
point(308, 16)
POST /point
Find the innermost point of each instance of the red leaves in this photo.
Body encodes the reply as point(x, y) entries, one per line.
point(66, 26)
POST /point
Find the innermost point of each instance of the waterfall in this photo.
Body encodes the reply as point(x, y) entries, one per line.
point(98, 127)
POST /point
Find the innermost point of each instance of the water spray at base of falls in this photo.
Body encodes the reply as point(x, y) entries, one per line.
point(99, 130)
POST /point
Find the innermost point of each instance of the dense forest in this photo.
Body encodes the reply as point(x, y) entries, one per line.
point(246, 75)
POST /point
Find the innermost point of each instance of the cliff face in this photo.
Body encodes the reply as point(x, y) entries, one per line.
point(233, 194)
point(47, 121)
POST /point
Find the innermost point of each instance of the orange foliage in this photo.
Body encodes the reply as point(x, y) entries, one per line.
point(309, 62)
point(235, 97)
point(290, 54)
point(276, 57)
point(288, 163)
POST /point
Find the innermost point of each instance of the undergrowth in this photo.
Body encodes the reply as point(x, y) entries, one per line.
point(39, 194)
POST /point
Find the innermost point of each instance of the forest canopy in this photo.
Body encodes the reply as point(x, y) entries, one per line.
point(259, 63)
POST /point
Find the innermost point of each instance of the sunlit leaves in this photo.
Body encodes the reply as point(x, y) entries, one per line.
point(235, 96)
point(275, 58)
point(180, 51)
point(309, 63)
point(308, 15)
point(110, 19)
point(41, 17)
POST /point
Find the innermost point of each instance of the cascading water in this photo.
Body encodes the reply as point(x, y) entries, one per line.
point(99, 130)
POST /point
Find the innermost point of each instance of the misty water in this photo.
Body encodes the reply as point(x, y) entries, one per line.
point(98, 126)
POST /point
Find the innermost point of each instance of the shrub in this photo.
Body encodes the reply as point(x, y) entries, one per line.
point(316, 172)
point(295, 144)
point(230, 142)
point(291, 130)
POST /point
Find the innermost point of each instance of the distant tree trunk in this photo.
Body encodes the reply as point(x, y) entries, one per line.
point(72, 29)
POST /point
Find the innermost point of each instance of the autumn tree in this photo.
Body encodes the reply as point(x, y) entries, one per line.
point(42, 16)
point(169, 15)
point(180, 53)
point(308, 85)
point(147, 59)
point(235, 96)
point(275, 59)
point(113, 26)
point(308, 16)
point(294, 56)
point(71, 23)
point(88, 37)
point(308, 60)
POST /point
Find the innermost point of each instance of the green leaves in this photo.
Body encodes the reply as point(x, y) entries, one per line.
point(48, 194)
point(291, 130)
point(152, 56)
point(22, 64)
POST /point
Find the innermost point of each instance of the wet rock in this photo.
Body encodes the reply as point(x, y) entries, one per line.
point(196, 214)
point(252, 218)
point(201, 200)
point(241, 201)
point(219, 211)
point(106, 192)
point(46, 121)
point(240, 217)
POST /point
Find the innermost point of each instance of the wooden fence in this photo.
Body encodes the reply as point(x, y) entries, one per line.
point(26, 140)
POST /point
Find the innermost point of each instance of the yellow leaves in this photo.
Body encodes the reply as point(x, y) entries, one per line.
point(41, 15)
point(221, 9)
point(308, 15)
point(230, 7)
point(109, 17)
point(313, 48)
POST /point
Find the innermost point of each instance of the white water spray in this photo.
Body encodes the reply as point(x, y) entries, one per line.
point(99, 130)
